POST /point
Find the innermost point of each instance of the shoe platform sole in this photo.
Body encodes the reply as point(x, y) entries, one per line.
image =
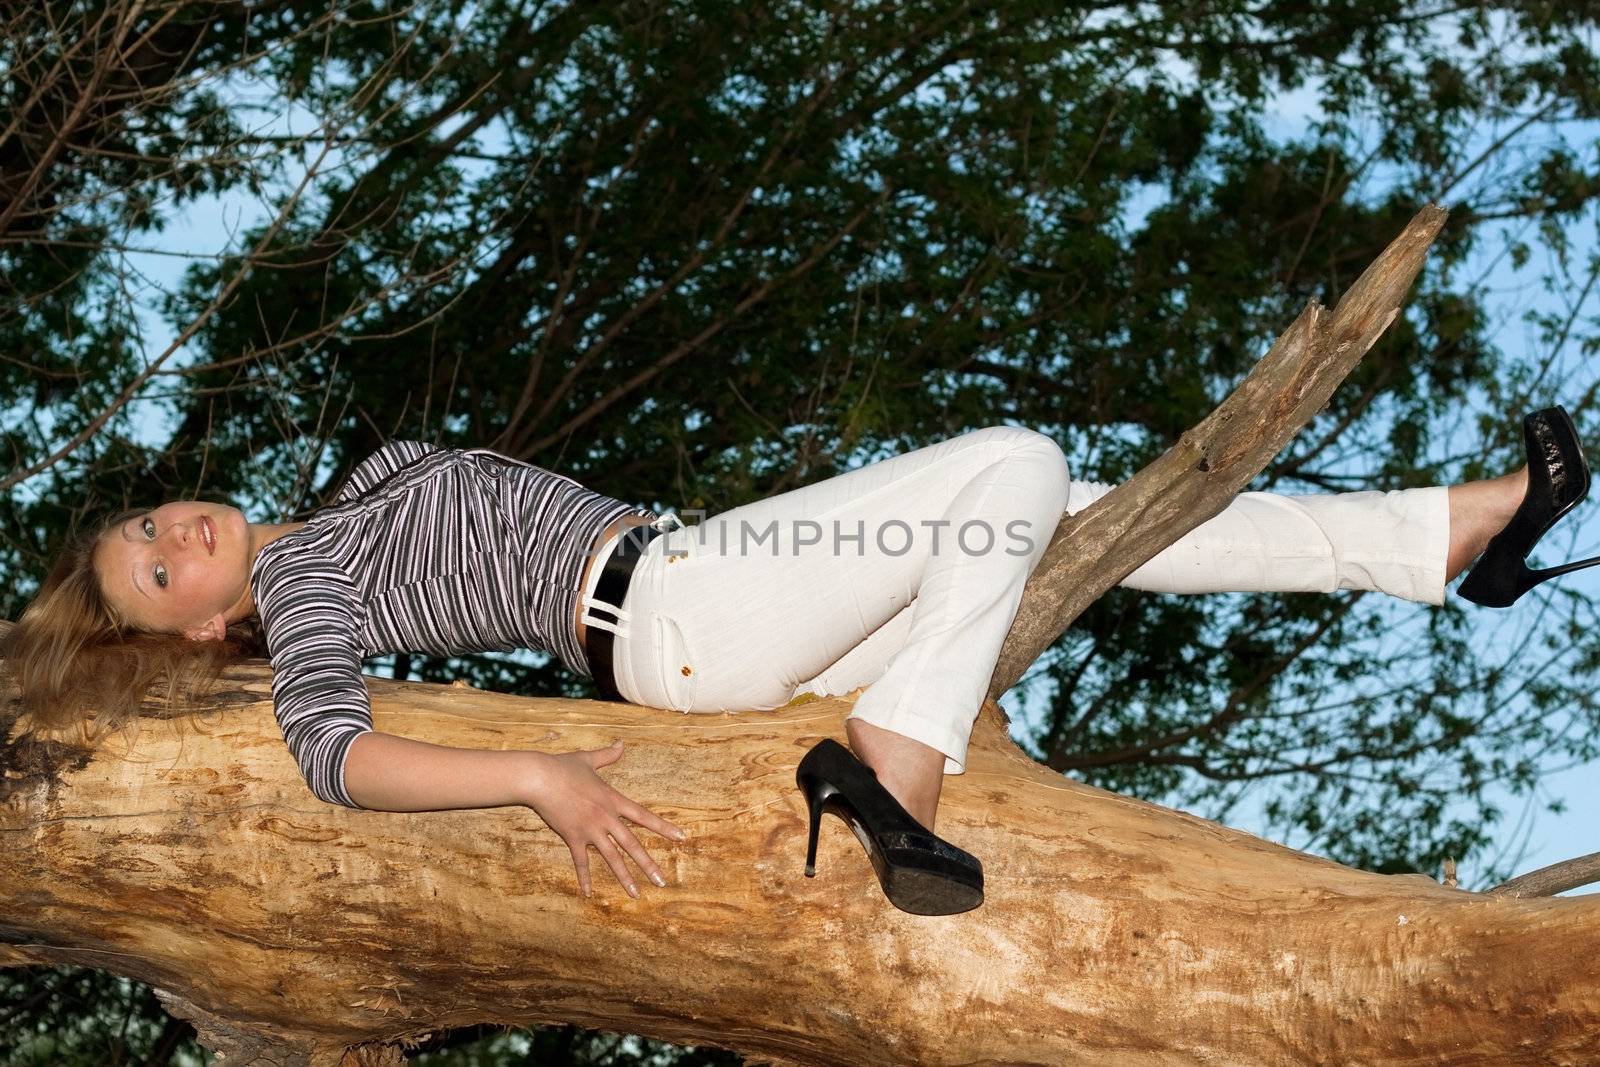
point(926, 893)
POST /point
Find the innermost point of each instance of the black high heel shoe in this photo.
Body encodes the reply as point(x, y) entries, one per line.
point(1558, 479)
point(920, 873)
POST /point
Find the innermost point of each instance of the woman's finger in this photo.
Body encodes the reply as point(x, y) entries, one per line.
point(614, 856)
point(634, 848)
point(580, 859)
point(599, 757)
point(643, 816)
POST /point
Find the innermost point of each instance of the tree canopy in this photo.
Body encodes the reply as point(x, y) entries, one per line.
point(697, 254)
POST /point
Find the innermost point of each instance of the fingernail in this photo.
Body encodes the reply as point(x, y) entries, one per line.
point(633, 891)
point(682, 836)
point(658, 880)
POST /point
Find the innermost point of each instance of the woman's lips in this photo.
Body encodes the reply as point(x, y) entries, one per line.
point(210, 533)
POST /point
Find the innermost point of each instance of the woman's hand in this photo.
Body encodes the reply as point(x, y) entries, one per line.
point(578, 805)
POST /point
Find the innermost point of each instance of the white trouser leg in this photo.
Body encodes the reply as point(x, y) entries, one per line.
point(1394, 542)
point(769, 594)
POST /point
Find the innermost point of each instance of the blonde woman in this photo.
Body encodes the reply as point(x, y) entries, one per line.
point(902, 577)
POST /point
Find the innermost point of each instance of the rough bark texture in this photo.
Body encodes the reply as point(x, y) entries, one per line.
point(1113, 931)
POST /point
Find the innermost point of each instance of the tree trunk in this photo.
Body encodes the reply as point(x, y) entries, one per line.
point(289, 930)
point(296, 932)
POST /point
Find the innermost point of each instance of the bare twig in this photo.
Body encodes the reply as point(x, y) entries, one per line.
point(1556, 878)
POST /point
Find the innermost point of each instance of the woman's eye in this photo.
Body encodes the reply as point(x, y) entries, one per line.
point(160, 572)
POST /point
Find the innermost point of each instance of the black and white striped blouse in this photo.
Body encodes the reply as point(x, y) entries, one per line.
point(425, 549)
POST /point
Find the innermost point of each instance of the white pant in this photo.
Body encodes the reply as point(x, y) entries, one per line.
point(905, 576)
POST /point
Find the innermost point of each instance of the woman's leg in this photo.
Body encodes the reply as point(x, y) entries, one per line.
point(1477, 511)
point(1409, 544)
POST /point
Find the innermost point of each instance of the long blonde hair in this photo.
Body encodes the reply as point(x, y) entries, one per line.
point(82, 671)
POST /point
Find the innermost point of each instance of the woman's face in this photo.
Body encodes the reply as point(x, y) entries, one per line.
point(181, 568)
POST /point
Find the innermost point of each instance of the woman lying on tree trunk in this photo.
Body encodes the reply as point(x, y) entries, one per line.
point(902, 577)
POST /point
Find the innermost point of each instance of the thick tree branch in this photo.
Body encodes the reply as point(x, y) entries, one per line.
point(301, 930)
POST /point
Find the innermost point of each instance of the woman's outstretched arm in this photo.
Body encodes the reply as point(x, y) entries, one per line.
point(391, 773)
point(309, 609)
point(386, 772)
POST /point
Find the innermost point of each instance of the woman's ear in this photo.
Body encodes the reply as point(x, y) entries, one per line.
point(215, 629)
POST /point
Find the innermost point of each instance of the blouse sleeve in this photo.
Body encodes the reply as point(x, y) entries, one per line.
point(319, 697)
point(392, 457)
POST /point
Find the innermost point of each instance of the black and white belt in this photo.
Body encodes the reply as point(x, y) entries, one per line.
point(603, 612)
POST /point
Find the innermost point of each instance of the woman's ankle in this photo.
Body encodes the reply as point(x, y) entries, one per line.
point(911, 771)
point(1478, 511)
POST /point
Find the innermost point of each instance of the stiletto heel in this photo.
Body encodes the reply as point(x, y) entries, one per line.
point(816, 793)
point(1558, 480)
point(920, 873)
